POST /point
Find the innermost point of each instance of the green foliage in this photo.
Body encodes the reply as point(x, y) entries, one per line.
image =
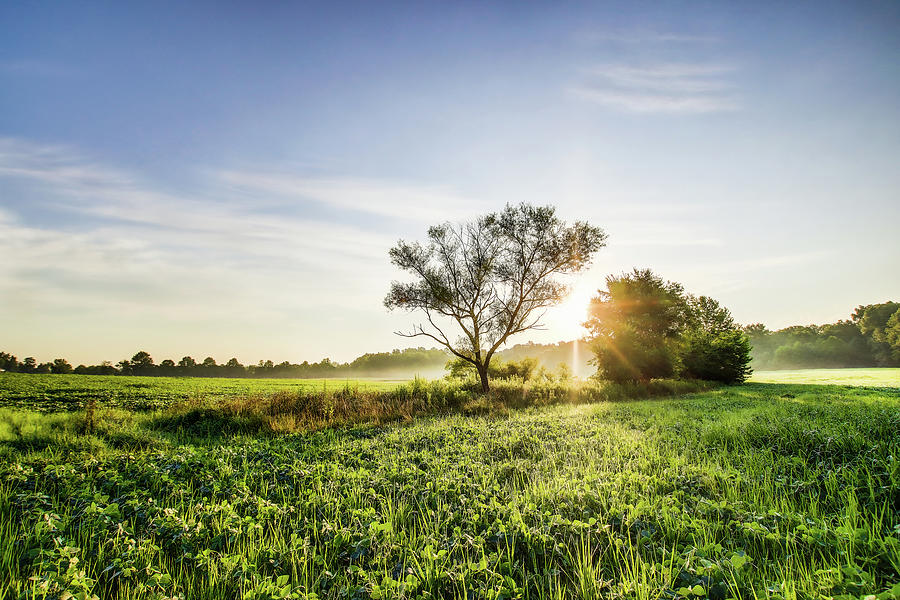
point(645, 328)
point(871, 338)
point(762, 491)
point(635, 356)
point(873, 318)
point(523, 369)
point(712, 346)
point(635, 326)
point(721, 356)
point(891, 335)
point(61, 366)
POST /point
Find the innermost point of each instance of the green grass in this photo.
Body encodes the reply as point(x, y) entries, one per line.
point(882, 377)
point(757, 491)
point(71, 392)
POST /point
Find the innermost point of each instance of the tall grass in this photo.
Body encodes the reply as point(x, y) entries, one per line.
point(758, 491)
point(290, 411)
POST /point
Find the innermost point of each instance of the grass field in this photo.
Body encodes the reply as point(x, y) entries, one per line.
point(757, 491)
point(865, 377)
point(71, 392)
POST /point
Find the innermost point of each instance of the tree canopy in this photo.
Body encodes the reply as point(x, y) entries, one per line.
point(870, 338)
point(490, 278)
point(644, 328)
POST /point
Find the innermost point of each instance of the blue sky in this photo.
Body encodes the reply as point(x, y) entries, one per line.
point(225, 179)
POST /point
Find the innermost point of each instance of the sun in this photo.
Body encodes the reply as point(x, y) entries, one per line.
point(566, 318)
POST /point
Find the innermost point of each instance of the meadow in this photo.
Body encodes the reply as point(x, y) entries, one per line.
point(756, 491)
point(874, 377)
point(48, 392)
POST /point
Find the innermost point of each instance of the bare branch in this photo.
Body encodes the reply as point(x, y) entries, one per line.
point(492, 277)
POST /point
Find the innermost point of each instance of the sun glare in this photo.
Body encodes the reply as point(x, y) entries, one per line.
point(566, 319)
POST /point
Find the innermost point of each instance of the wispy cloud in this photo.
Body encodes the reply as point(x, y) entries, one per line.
point(136, 244)
point(222, 258)
point(660, 87)
point(642, 36)
point(728, 276)
point(425, 203)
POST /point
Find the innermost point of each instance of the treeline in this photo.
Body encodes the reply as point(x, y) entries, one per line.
point(870, 338)
point(401, 363)
point(426, 362)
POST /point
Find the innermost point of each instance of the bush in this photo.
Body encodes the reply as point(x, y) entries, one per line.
point(523, 369)
point(721, 356)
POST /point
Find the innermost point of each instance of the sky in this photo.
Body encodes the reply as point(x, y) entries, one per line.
point(225, 179)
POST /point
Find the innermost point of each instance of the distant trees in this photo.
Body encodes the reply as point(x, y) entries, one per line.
point(489, 278)
point(575, 354)
point(167, 368)
point(8, 362)
point(104, 368)
point(397, 363)
point(142, 364)
point(643, 328)
point(870, 338)
point(410, 360)
point(61, 366)
point(43, 368)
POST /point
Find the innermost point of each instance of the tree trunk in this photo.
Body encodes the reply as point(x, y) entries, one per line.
point(483, 374)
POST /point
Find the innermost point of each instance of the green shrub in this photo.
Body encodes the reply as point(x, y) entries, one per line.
point(721, 356)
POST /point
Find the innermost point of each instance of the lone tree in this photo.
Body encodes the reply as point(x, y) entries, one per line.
point(491, 278)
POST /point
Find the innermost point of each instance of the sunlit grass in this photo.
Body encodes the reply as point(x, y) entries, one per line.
point(70, 392)
point(757, 491)
point(875, 377)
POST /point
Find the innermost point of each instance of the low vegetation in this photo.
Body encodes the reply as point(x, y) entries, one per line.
point(73, 392)
point(757, 491)
point(316, 401)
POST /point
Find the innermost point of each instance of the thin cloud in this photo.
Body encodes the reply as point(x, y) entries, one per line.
point(782, 260)
point(125, 197)
point(670, 242)
point(383, 198)
point(185, 254)
point(687, 88)
point(674, 78)
point(643, 36)
point(735, 275)
point(672, 233)
point(81, 186)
